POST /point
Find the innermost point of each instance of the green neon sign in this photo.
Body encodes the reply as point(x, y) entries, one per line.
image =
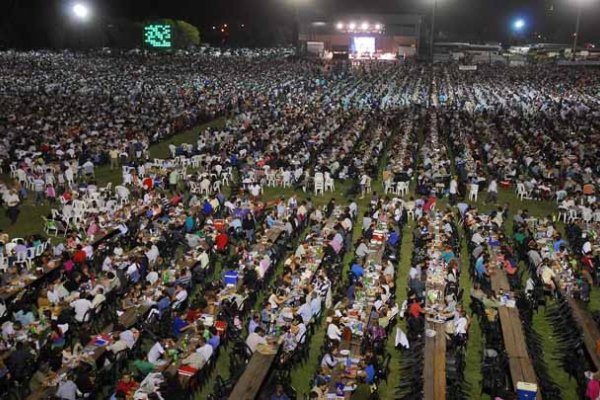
point(158, 36)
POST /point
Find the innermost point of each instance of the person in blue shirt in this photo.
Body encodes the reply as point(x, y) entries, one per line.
point(179, 325)
point(215, 339)
point(207, 208)
point(370, 374)
point(480, 269)
point(254, 323)
point(357, 270)
point(558, 242)
point(190, 224)
point(393, 239)
point(164, 303)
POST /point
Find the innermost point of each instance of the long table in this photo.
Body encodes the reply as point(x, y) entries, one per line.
point(521, 368)
point(591, 333)
point(256, 372)
point(353, 345)
point(249, 384)
point(434, 372)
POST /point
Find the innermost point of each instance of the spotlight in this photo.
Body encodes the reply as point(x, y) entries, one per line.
point(340, 26)
point(378, 27)
point(365, 26)
point(352, 26)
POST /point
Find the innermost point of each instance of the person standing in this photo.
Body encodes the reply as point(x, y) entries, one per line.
point(12, 201)
point(453, 190)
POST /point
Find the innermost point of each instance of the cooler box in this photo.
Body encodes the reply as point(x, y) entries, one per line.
point(378, 236)
point(231, 278)
point(526, 391)
point(187, 370)
point(505, 184)
point(219, 225)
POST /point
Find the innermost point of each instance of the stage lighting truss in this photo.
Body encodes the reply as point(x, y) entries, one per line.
point(359, 27)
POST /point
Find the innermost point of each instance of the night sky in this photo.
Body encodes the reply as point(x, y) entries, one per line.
point(483, 20)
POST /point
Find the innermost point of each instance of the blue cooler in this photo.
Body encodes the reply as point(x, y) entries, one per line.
point(231, 278)
point(526, 391)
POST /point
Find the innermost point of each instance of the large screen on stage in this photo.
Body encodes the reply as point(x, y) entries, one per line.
point(363, 44)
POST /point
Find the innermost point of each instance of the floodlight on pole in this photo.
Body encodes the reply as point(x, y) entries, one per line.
point(580, 4)
point(431, 37)
point(519, 24)
point(81, 11)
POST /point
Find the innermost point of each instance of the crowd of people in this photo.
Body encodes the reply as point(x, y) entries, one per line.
point(151, 276)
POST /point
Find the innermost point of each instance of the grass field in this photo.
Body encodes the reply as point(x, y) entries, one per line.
point(30, 222)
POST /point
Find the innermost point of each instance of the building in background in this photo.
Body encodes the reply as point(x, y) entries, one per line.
point(380, 36)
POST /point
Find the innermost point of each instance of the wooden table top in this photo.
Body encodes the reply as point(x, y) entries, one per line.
point(434, 372)
point(591, 333)
point(521, 367)
point(257, 370)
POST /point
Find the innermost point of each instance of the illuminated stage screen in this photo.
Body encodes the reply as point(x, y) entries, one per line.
point(363, 44)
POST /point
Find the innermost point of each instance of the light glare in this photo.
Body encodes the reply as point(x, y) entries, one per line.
point(81, 11)
point(519, 24)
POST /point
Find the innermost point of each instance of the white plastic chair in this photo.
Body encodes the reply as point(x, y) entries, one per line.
point(21, 258)
point(286, 180)
point(13, 170)
point(572, 215)
point(587, 215)
point(389, 187)
point(402, 188)
point(409, 206)
point(271, 179)
point(205, 186)
point(522, 192)
point(319, 185)
point(329, 184)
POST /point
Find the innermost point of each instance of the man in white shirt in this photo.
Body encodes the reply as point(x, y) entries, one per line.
point(99, 298)
point(155, 353)
point(362, 250)
point(67, 390)
point(181, 295)
point(333, 332)
point(203, 259)
point(453, 190)
point(152, 254)
point(152, 277)
point(492, 191)
point(81, 307)
point(204, 349)
point(256, 338)
point(477, 238)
